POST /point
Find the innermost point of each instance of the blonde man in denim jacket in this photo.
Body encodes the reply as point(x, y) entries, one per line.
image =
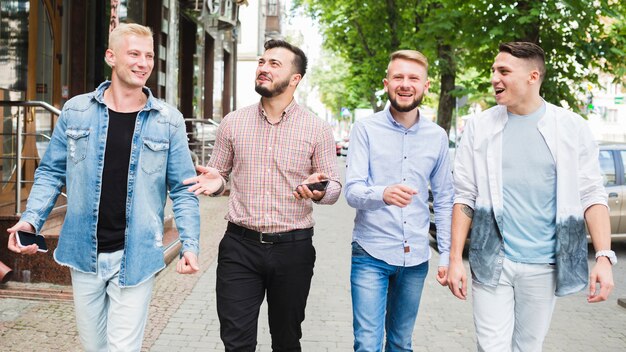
point(117, 151)
point(527, 181)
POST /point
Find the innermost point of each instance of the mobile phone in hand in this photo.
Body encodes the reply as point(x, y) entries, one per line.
point(317, 186)
point(25, 238)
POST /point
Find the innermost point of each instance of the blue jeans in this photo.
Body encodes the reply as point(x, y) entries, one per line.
point(109, 317)
point(385, 299)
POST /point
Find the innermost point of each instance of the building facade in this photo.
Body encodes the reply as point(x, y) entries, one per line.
point(261, 21)
point(52, 50)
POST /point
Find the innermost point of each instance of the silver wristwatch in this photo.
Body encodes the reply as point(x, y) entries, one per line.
point(609, 254)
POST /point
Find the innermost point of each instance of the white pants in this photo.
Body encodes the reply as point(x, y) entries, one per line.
point(109, 317)
point(515, 315)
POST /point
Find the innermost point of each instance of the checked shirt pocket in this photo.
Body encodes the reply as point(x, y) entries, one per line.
point(153, 155)
point(77, 143)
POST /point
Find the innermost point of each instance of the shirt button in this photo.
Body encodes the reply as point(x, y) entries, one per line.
point(499, 261)
point(405, 157)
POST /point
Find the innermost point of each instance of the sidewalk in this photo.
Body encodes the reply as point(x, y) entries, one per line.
point(328, 324)
point(444, 322)
point(194, 327)
point(183, 315)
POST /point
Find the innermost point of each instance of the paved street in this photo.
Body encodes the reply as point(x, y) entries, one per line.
point(183, 315)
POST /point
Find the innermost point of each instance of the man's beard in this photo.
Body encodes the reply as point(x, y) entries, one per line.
point(279, 88)
point(417, 102)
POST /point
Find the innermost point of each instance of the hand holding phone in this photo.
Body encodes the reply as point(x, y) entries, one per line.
point(317, 186)
point(25, 238)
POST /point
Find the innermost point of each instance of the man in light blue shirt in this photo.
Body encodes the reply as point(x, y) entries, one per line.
point(395, 155)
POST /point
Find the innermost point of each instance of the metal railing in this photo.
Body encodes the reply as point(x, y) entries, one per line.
point(19, 133)
point(201, 139)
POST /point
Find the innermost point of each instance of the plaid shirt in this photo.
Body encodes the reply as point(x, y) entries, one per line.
point(268, 161)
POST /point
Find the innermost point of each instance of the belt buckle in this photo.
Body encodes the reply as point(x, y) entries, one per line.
point(261, 238)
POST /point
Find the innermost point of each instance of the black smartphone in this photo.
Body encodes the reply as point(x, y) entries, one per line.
point(25, 238)
point(317, 186)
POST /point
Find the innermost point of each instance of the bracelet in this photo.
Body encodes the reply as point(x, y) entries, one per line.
point(220, 190)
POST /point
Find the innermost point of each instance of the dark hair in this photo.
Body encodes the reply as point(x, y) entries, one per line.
point(300, 61)
point(527, 51)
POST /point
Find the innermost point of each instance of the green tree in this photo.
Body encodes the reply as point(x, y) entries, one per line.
point(332, 79)
point(365, 32)
point(580, 38)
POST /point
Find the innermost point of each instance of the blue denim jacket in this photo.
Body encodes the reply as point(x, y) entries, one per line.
point(159, 160)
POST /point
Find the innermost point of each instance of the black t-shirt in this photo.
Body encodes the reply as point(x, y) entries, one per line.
point(112, 210)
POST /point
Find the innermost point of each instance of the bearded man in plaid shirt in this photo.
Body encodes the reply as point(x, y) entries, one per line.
point(269, 152)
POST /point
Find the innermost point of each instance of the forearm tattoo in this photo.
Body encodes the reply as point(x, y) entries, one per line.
point(467, 211)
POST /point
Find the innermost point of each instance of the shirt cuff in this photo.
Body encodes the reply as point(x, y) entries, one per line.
point(444, 259)
point(377, 194)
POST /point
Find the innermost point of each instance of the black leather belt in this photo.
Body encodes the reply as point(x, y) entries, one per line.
point(270, 237)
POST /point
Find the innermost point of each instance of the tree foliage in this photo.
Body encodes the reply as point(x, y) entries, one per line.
point(580, 37)
point(332, 78)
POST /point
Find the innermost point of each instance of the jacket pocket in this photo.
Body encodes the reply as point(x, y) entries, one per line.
point(153, 155)
point(77, 143)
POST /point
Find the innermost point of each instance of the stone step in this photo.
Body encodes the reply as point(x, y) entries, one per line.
point(42, 292)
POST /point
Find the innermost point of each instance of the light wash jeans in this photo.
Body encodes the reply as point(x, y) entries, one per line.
point(110, 318)
point(515, 315)
point(385, 298)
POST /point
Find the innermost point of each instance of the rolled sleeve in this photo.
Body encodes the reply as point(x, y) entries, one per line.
point(592, 189)
point(464, 176)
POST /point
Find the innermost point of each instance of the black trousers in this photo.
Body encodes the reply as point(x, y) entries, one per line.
point(246, 269)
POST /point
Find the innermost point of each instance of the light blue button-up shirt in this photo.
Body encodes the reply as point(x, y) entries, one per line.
point(383, 153)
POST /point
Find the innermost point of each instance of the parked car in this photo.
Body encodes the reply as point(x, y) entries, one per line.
point(340, 143)
point(613, 165)
point(344, 148)
point(612, 160)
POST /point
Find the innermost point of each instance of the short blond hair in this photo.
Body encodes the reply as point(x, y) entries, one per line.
point(126, 29)
point(411, 55)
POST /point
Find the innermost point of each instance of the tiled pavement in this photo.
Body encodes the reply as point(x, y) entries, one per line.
point(183, 317)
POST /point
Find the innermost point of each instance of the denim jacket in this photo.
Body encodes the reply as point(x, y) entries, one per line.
point(478, 183)
point(159, 160)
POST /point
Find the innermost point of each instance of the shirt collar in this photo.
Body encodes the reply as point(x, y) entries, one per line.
point(151, 102)
point(394, 123)
point(286, 114)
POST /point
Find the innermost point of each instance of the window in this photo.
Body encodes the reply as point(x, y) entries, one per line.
point(272, 7)
point(623, 153)
point(607, 165)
